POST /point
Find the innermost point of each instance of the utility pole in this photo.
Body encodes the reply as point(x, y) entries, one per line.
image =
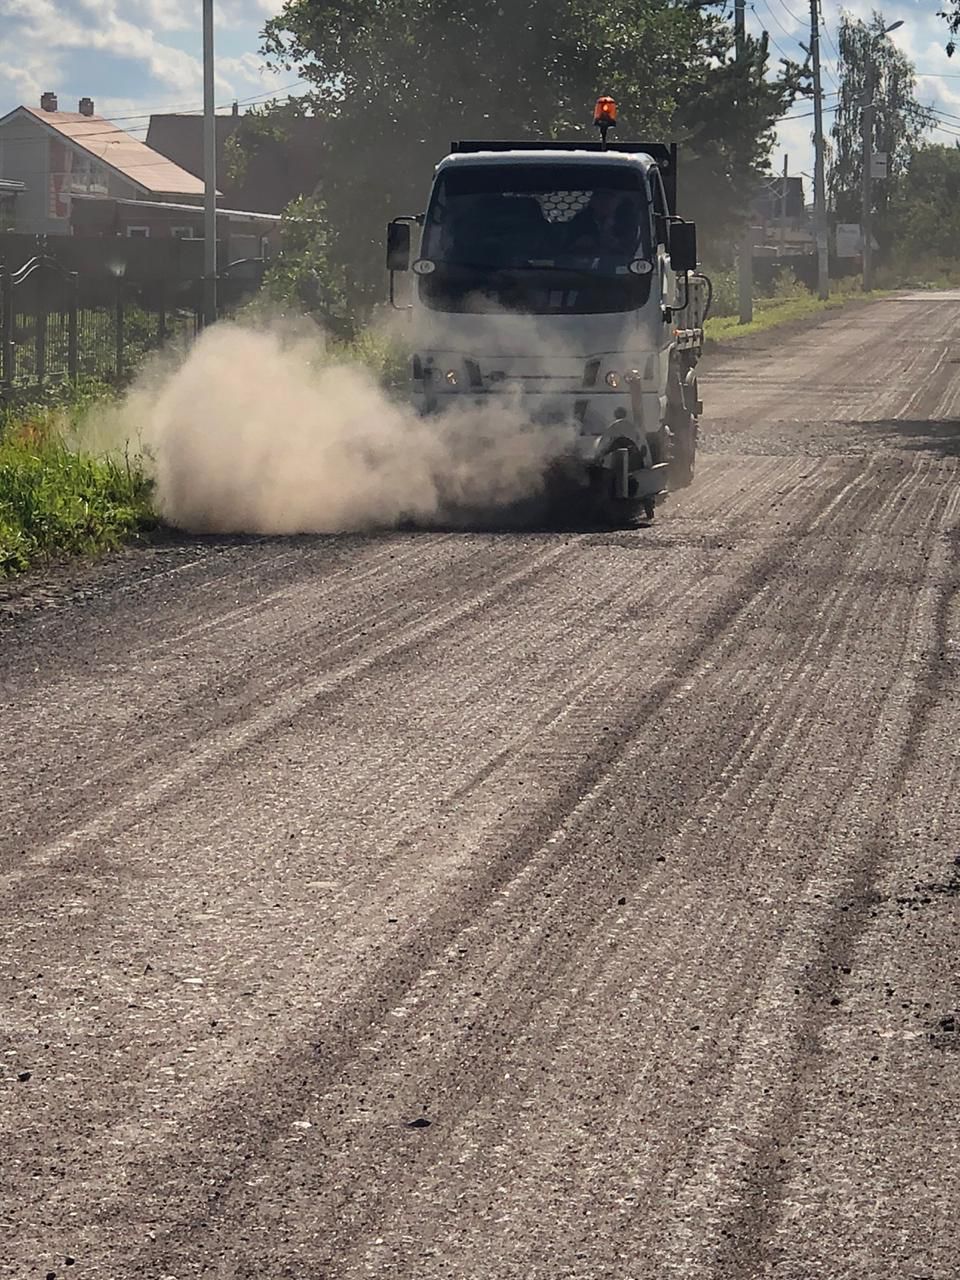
point(209, 173)
point(783, 206)
point(745, 253)
point(819, 187)
point(866, 189)
point(866, 196)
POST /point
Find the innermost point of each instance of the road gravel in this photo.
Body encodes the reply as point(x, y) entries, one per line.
point(509, 905)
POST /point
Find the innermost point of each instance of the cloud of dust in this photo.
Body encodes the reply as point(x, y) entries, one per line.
point(254, 431)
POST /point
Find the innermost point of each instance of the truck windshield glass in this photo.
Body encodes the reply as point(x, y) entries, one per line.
point(537, 238)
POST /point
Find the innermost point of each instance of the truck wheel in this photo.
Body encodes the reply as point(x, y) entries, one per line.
point(684, 429)
point(611, 511)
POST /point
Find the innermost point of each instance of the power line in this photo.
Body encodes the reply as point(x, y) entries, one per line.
point(800, 21)
point(806, 115)
point(773, 39)
point(194, 107)
point(826, 31)
point(788, 34)
point(946, 115)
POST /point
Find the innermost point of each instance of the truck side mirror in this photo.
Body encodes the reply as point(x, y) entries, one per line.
point(398, 246)
point(683, 246)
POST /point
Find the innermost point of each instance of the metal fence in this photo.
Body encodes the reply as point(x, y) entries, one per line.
point(74, 311)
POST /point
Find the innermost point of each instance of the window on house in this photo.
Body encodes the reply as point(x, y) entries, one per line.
point(183, 233)
point(138, 233)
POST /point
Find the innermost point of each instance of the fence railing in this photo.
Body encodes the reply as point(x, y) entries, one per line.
point(59, 324)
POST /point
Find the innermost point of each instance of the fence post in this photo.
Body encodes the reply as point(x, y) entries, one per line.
point(162, 316)
point(40, 332)
point(73, 344)
point(118, 324)
point(6, 328)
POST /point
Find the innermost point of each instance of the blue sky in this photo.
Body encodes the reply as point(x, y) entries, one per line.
point(137, 56)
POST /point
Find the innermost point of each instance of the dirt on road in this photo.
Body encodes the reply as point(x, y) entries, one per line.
point(509, 905)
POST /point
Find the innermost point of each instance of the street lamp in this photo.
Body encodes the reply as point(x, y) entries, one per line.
point(866, 190)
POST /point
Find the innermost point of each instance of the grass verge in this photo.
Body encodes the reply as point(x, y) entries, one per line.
point(58, 500)
point(769, 313)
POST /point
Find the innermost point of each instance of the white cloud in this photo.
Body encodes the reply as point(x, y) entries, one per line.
point(922, 38)
point(140, 33)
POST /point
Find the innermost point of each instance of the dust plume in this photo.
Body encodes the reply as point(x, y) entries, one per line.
point(251, 432)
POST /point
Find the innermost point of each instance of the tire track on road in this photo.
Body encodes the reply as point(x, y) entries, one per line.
point(385, 992)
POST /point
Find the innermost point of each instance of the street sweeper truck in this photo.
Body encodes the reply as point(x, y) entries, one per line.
point(560, 275)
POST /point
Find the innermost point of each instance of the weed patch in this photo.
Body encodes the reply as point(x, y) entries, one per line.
point(57, 499)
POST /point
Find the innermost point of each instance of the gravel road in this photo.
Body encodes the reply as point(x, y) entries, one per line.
point(509, 906)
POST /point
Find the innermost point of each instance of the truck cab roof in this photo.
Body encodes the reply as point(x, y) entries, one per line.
point(524, 156)
point(642, 155)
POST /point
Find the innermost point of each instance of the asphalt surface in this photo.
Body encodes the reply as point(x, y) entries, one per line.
point(509, 905)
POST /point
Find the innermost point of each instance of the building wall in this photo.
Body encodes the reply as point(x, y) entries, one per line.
point(237, 237)
point(52, 168)
point(24, 158)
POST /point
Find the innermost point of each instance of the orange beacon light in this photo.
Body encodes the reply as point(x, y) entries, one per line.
point(605, 116)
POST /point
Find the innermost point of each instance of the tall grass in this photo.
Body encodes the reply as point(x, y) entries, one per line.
point(57, 499)
point(787, 301)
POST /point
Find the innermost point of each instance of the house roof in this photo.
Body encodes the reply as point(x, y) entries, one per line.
point(167, 206)
point(129, 157)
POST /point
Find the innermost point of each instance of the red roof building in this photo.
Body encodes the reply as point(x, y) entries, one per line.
point(58, 154)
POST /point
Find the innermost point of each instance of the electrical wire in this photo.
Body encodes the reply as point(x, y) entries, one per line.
point(799, 21)
point(825, 28)
point(148, 115)
point(945, 115)
point(191, 108)
point(773, 39)
point(781, 27)
point(807, 115)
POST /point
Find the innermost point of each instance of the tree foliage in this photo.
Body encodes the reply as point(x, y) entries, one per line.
point(305, 271)
point(925, 207)
point(395, 80)
point(951, 15)
point(898, 118)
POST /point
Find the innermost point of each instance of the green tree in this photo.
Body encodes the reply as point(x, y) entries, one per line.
point(925, 207)
point(951, 15)
point(397, 79)
point(726, 120)
point(898, 118)
point(304, 272)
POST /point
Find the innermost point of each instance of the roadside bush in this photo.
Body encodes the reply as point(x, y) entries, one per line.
point(726, 299)
point(901, 271)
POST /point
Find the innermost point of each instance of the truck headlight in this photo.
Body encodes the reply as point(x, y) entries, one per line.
point(612, 379)
point(452, 378)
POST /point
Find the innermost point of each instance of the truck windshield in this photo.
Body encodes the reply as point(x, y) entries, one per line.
point(538, 238)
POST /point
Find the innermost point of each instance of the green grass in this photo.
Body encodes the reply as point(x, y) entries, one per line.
point(58, 500)
point(798, 304)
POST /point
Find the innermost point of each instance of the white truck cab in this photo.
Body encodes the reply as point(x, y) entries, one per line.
point(559, 275)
